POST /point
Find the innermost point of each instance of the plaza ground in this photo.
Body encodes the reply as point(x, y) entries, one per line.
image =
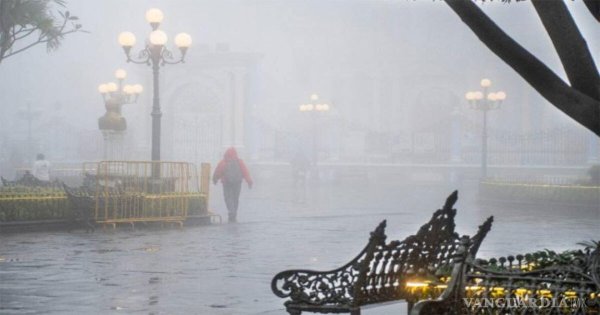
point(227, 269)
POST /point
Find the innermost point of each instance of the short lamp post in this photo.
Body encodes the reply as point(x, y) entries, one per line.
point(314, 107)
point(485, 101)
point(155, 54)
point(124, 94)
point(112, 123)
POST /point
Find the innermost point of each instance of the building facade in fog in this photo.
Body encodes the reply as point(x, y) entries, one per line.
point(207, 104)
point(394, 73)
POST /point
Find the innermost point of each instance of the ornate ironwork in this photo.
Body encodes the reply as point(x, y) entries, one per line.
point(380, 272)
point(537, 283)
point(82, 203)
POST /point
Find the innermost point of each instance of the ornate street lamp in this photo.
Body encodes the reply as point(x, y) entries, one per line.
point(115, 95)
point(485, 101)
point(155, 54)
point(314, 107)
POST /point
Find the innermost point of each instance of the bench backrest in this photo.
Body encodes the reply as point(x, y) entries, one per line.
point(344, 284)
point(429, 253)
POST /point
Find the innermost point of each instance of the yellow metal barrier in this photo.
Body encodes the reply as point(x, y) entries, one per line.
point(144, 191)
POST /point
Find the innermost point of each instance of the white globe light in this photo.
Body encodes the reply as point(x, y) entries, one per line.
point(492, 97)
point(112, 87)
point(325, 107)
point(500, 95)
point(158, 38)
point(309, 107)
point(314, 97)
point(137, 88)
point(126, 39)
point(120, 74)
point(477, 95)
point(183, 40)
point(128, 89)
point(486, 83)
point(470, 96)
point(103, 88)
point(154, 16)
point(319, 107)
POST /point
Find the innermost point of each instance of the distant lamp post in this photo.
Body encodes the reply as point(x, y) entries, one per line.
point(314, 107)
point(112, 123)
point(485, 101)
point(155, 54)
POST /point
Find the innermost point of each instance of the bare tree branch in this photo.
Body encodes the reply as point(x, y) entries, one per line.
point(39, 41)
point(21, 19)
point(575, 104)
point(15, 37)
point(571, 47)
point(594, 8)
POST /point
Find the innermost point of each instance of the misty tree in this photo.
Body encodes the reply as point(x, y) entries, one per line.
point(28, 23)
point(580, 97)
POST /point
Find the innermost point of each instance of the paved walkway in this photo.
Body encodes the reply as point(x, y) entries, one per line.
point(226, 269)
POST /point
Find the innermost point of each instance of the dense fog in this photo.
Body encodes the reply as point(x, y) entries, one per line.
point(389, 69)
point(345, 112)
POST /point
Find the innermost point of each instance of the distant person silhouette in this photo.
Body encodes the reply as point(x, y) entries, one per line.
point(300, 166)
point(231, 170)
point(41, 168)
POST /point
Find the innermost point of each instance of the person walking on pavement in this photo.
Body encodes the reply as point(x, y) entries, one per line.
point(231, 170)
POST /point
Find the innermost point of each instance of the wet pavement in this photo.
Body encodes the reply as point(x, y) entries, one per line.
point(227, 269)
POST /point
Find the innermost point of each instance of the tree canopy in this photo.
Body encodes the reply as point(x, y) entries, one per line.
point(27, 23)
point(579, 98)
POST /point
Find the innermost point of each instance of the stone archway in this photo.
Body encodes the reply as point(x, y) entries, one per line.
point(195, 124)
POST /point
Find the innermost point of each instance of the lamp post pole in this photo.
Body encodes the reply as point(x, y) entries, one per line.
point(484, 102)
point(156, 112)
point(313, 108)
point(155, 54)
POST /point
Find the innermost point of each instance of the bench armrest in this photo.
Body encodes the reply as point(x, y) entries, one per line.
point(316, 287)
point(324, 287)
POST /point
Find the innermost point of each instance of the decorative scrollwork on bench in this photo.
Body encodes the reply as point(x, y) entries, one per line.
point(537, 283)
point(380, 272)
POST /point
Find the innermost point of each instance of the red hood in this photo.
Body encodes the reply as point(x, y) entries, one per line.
point(230, 154)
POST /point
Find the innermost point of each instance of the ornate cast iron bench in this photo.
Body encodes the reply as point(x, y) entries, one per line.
point(538, 283)
point(380, 272)
point(82, 205)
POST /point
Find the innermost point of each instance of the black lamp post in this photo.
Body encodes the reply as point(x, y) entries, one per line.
point(484, 101)
point(155, 54)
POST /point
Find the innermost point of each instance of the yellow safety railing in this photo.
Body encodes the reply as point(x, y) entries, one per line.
point(147, 191)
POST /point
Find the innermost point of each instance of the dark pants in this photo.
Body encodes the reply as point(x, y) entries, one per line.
point(231, 192)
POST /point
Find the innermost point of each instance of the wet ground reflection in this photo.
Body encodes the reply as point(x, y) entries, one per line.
point(226, 269)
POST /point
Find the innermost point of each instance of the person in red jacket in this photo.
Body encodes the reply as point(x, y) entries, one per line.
point(231, 170)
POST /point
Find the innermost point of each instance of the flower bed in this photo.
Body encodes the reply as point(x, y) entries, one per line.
point(23, 203)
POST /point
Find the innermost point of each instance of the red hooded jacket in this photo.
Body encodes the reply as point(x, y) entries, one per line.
point(231, 156)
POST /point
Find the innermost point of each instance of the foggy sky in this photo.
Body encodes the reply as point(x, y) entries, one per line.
point(309, 46)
